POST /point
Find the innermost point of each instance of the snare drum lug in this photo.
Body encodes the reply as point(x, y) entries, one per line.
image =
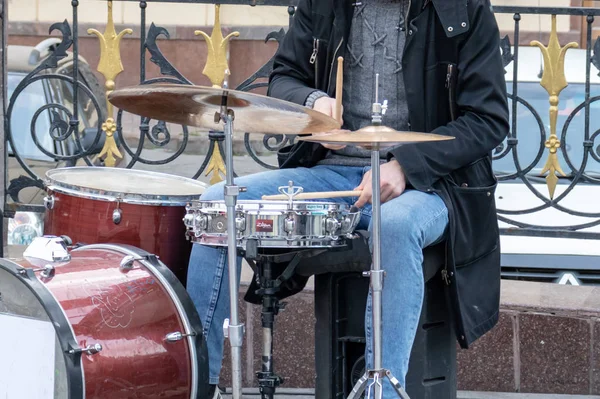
point(49, 202)
point(332, 225)
point(201, 222)
point(240, 224)
point(177, 336)
point(88, 350)
point(290, 225)
point(188, 220)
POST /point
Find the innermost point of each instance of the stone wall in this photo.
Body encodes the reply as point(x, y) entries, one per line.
point(546, 342)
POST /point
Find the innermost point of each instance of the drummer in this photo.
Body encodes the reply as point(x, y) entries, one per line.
point(440, 71)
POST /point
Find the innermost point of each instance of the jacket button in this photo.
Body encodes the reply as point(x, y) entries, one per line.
point(464, 24)
point(464, 185)
point(450, 29)
point(410, 32)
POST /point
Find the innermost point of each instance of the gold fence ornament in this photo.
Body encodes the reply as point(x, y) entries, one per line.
point(216, 61)
point(554, 81)
point(217, 71)
point(110, 66)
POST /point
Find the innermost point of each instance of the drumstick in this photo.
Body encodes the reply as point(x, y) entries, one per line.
point(315, 195)
point(338, 89)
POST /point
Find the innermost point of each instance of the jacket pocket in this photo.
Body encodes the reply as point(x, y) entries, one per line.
point(472, 192)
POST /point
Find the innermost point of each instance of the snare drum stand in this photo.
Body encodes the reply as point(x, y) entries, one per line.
point(269, 284)
point(232, 327)
point(378, 372)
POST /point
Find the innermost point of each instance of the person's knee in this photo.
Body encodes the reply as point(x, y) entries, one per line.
point(400, 227)
point(214, 192)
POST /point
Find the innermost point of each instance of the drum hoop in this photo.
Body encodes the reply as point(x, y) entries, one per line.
point(112, 196)
point(220, 240)
point(62, 325)
point(300, 205)
point(187, 312)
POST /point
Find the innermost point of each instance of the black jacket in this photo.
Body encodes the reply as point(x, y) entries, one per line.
point(455, 86)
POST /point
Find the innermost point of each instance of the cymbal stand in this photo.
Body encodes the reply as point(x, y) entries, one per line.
point(232, 328)
point(378, 373)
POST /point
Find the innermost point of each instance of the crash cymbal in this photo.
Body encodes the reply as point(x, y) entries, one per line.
point(374, 137)
point(196, 106)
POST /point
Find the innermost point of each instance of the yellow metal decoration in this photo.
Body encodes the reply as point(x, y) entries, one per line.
point(216, 69)
point(216, 166)
point(554, 81)
point(216, 62)
point(110, 66)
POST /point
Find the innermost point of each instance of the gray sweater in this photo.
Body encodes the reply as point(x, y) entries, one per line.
point(375, 46)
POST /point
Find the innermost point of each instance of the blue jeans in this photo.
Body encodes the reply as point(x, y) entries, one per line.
point(409, 223)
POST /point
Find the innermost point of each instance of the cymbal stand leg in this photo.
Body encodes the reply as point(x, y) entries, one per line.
point(234, 330)
point(376, 275)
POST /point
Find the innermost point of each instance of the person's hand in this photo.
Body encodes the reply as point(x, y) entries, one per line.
point(327, 106)
point(392, 183)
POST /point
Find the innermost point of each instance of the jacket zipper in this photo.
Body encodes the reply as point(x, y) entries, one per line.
point(333, 63)
point(313, 59)
point(406, 17)
point(450, 87)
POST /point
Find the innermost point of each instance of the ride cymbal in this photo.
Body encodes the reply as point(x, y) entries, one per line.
point(374, 137)
point(197, 105)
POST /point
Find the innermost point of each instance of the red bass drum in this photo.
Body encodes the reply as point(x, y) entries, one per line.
point(124, 325)
point(134, 207)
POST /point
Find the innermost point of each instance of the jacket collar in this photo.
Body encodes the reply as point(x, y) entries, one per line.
point(453, 16)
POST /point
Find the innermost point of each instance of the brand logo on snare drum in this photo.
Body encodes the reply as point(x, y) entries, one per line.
point(264, 226)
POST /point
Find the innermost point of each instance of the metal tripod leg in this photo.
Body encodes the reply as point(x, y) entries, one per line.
point(377, 376)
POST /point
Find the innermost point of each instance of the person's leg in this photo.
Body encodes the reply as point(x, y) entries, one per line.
point(409, 223)
point(207, 281)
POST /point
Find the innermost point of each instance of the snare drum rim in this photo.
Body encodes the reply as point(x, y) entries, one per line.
point(54, 185)
point(185, 307)
point(273, 206)
point(60, 321)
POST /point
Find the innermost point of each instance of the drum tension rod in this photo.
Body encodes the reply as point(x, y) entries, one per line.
point(91, 349)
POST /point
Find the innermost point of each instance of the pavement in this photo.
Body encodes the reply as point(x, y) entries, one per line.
point(295, 393)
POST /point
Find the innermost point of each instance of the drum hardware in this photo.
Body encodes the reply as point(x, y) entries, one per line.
point(88, 350)
point(117, 213)
point(126, 263)
point(177, 336)
point(46, 272)
point(49, 202)
point(48, 249)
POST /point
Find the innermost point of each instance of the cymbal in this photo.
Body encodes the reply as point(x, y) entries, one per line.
point(196, 106)
point(374, 137)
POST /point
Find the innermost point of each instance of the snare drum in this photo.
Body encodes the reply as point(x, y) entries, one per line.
point(109, 321)
point(139, 208)
point(274, 224)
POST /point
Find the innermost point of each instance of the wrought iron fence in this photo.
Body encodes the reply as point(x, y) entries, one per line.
point(103, 142)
